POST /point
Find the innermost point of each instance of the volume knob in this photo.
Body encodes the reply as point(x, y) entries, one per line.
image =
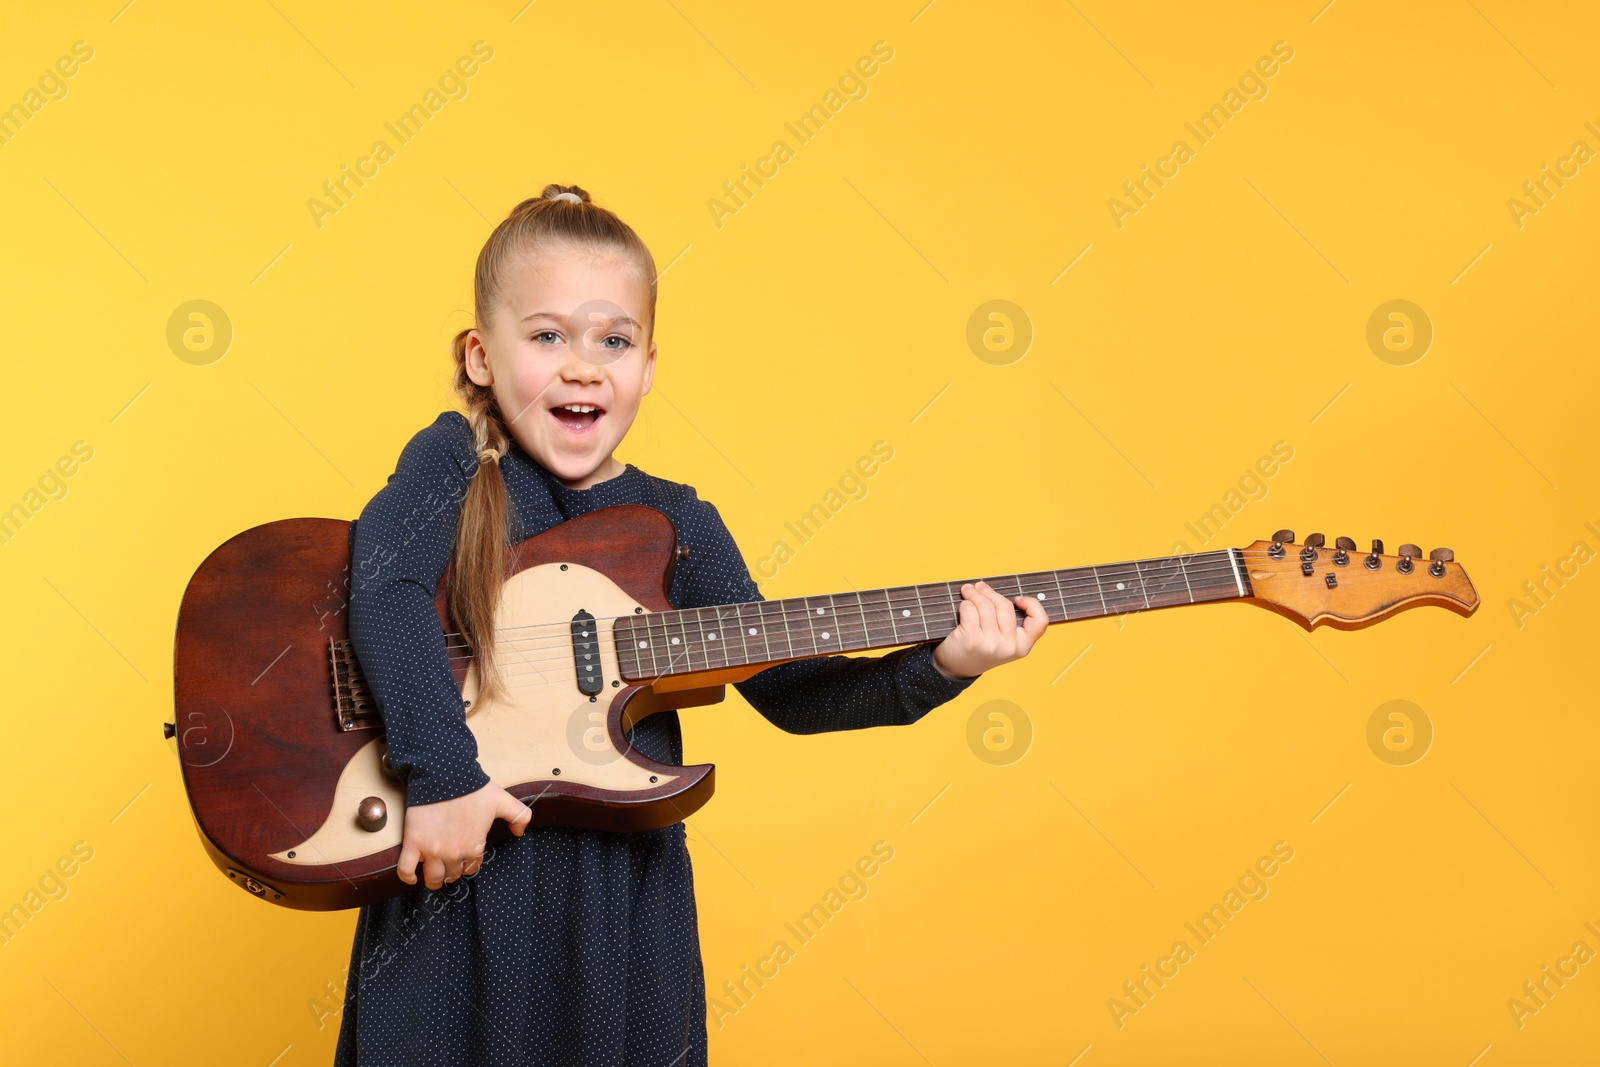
point(373, 814)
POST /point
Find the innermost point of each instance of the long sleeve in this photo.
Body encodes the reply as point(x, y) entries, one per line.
point(822, 693)
point(401, 546)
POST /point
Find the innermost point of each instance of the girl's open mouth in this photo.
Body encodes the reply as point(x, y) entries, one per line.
point(577, 418)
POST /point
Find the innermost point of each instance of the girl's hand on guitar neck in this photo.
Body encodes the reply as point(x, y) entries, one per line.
point(448, 837)
point(986, 633)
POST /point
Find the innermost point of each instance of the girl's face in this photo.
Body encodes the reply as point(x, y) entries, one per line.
point(571, 328)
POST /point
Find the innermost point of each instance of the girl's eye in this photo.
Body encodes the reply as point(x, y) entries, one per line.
point(619, 337)
point(542, 334)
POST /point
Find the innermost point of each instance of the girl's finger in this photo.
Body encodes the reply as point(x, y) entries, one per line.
point(985, 607)
point(1005, 620)
point(966, 615)
point(1005, 611)
point(433, 873)
point(407, 868)
point(1034, 625)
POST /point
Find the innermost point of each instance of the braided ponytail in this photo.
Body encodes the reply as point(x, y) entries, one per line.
point(560, 215)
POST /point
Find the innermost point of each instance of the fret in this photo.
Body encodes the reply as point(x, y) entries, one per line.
point(816, 643)
point(1137, 573)
point(765, 613)
point(922, 612)
point(880, 602)
point(627, 646)
point(788, 634)
point(1119, 599)
point(729, 632)
point(1081, 595)
point(748, 631)
point(1100, 589)
point(726, 635)
point(1016, 580)
point(709, 645)
point(1042, 595)
point(899, 611)
point(678, 646)
point(690, 636)
point(768, 617)
point(1173, 584)
point(1186, 586)
point(952, 590)
point(866, 627)
point(1058, 599)
point(651, 622)
point(716, 640)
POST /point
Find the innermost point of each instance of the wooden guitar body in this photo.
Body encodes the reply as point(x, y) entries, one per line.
point(276, 782)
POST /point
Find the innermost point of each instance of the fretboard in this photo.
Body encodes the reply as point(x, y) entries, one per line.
point(772, 631)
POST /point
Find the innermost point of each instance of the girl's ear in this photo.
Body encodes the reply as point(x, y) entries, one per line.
point(649, 369)
point(477, 360)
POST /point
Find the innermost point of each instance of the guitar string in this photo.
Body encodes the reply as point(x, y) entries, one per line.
point(848, 614)
point(685, 653)
point(1210, 562)
point(525, 649)
point(1209, 568)
point(525, 658)
point(563, 662)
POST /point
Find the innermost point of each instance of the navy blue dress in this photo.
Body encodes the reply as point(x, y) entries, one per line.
point(569, 948)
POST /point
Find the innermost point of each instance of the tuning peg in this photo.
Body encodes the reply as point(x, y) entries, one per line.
point(1407, 554)
point(1442, 554)
point(1377, 547)
point(1346, 543)
point(1315, 540)
point(1283, 537)
point(1411, 550)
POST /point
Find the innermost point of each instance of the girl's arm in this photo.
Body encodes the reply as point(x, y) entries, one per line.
point(810, 696)
point(399, 549)
point(401, 545)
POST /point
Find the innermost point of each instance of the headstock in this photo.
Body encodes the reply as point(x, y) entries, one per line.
point(1316, 582)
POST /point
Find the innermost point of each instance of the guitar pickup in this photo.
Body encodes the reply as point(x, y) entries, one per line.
point(586, 654)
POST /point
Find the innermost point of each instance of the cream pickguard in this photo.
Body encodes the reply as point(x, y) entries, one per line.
point(543, 723)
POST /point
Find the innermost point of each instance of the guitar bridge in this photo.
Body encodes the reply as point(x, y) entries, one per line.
point(353, 703)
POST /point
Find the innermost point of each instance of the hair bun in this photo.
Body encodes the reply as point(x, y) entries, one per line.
point(565, 192)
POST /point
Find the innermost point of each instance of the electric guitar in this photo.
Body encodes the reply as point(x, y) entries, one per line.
point(282, 745)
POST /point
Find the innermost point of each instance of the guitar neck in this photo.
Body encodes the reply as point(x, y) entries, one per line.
point(760, 632)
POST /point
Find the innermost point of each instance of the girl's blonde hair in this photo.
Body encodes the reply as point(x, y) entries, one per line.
point(549, 220)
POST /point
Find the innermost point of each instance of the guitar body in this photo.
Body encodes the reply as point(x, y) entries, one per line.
point(282, 779)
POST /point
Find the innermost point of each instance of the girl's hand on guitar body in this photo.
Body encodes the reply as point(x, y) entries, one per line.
point(986, 633)
point(448, 837)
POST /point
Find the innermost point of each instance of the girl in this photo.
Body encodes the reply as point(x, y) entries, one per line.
point(562, 946)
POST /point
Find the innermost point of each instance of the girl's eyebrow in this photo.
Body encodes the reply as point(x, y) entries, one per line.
point(617, 320)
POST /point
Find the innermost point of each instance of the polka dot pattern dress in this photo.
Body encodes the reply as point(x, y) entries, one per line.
point(569, 948)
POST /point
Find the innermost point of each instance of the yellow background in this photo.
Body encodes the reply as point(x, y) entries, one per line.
point(1169, 750)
